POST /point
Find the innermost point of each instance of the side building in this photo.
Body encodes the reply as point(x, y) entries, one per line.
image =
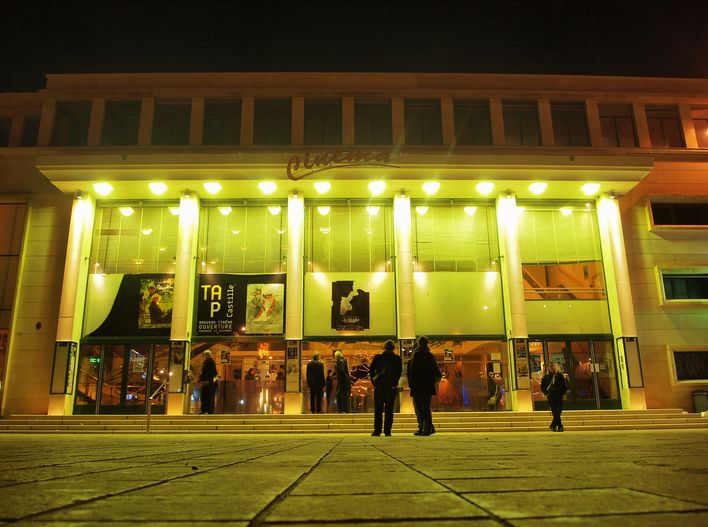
point(515, 220)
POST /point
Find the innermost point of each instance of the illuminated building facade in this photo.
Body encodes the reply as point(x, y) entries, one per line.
point(513, 219)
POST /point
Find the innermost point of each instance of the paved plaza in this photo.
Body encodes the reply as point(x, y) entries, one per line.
point(647, 478)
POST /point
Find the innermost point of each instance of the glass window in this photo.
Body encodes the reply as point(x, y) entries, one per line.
point(323, 122)
point(12, 223)
point(472, 123)
point(348, 237)
point(272, 122)
point(679, 214)
point(664, 126)
point(617, 125)
point(372, 123)
point(570, 127)
point(134, 239)
point(454, 237)
point(222, 122)
point(171, 123)
point(5, 125)
point(30, 131)
point(121, 123)
point(521, 126)
point(691, 365)
point(243, 238)
point(71, 122)
point(423, 122)
point(685, 285)
point(560, 252)
point(701, 126)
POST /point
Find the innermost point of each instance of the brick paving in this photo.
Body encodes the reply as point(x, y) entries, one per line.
point(522, 479)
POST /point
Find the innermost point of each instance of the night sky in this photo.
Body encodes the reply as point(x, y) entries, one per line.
point(609, 37)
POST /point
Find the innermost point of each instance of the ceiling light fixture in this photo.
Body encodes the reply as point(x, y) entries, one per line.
point(103, 189)
point(431, 187)
point(158, 188)
point(274, 209)
point(126, 211)
point(323, 210)
point(267, 187)
point(225, 211)
point(590, 189)
point(484, 187)
point(377, 187)
point(421, 209)
point(538, 188)
point(212, 187)
point(322, 187)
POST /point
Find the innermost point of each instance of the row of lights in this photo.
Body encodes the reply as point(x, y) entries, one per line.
point(322, 187)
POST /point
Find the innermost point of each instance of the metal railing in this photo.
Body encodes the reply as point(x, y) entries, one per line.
point(149, 405)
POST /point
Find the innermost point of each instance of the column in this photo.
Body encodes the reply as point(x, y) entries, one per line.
point(297, 126)
point(496, 116)
point(294, 295)
point(185, 278)
point(513, 295)
point(398, 122)
point(348, 117)
point(147, 114)
point(640, 121)
point(247, 110)
point(447, 113)
point(689, 130)
point(619, 299)
point(98, 114)
point(594, 125)
point(546, 122)
point(46, 122)
point(71, 303)
point(405, 312)
point(196, 121)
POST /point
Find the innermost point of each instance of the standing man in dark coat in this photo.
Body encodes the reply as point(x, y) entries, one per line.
point(385, 371)
point(553, 386)
point(423, 374)
point(315, 382)
point(344, 383)
point(206, 378)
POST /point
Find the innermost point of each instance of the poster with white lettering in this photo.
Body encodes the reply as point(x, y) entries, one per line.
point(350, 306)
point(216, 304)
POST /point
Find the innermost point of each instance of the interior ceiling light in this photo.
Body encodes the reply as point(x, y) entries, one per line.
point(325, 230)
point(225, 211)
point(322, 187)
point(267, 187)
point(174, 210)
point(274, 209)
point(146, 232)
point(421, 209)
point(372, 210)
point(566, 211)
point(235, 232)
point(377, 187)
point(323, 210)
point(126, 211)
point(212, 187)
point(538, 188)
point(590, 188)
point(484, 187)
point(470, 210)
point(158, 188)
point(103, 189)
point(431, 187)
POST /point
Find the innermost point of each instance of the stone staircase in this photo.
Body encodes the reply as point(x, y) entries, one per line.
point(578, 420)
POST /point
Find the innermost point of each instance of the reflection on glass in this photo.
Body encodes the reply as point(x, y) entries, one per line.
point(87, 384)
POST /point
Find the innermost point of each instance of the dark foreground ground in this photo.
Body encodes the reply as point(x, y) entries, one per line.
point(647, 478)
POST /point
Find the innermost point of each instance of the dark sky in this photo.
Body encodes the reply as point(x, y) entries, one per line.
point(610, 37)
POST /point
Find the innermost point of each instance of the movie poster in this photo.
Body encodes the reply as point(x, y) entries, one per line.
point(156, 302)
point(350, 307)
point(264, 309)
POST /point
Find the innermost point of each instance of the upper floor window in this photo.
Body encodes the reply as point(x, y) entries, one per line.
point(134, 239)
point(12, 223)
point(521, 126)
point(323, 122)
point(472, 123)
point(691, 365)
point(272, 122)
point(700, 123)
point(679, 214)
point(171, 123)
point(372, 123)
point(222, 122)
point(30, 131)
point(664, 126)
point(348, 237)
point(5, 125)
point(570, 127)
point(685, 284)
point(617, 125)
point(71, 122)
point(243, 237)
point(121, 123)
point(454, 237)
point(423, 122)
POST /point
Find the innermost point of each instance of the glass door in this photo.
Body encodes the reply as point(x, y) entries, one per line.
point(605, 374)
point(88, 379)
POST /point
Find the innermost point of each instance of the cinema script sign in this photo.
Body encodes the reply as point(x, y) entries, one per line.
point(303, 165)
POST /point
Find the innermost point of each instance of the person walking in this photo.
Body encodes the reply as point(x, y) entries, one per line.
point(553, 386)
point(207, 378)
point(423, 374)
point(343, 382)
point(315, 382)
point(385, 371)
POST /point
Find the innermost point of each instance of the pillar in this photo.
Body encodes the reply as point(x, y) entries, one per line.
point(294, 293)
point(513, 295)
point(297, 121)
point(545, 119)
point(196, 121)
point(689, 130)
point(447, 113)
point(348, 119)
point(98, 115)
point(496, 117)
point(619, 295)
point(247, 111)
point(185, 278)
point(594, 124)
point(147, 115)
point(642, 126)
point(398, 121)
point(73, 295)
